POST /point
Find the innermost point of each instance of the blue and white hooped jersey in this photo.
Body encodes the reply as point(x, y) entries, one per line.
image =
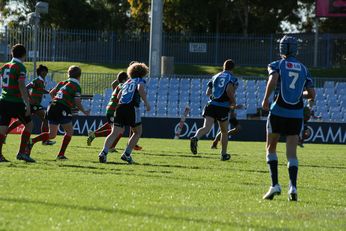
point(129, 92)
point(218, 84)
point(294, 77)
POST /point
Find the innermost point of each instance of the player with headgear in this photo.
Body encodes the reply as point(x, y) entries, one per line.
point(291, 82)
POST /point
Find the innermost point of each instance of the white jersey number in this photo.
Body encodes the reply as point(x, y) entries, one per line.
point(295, 77)
point(6, 78)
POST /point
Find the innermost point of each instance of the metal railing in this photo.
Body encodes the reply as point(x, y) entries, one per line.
point(207, 49)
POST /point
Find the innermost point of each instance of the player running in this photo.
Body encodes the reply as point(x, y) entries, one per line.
point(234, 131)
point(221, 90)
point(127, 111)
point(14, 102)
point(291, 81)
point(36, 91)
point(66, 95)
point(106, 129)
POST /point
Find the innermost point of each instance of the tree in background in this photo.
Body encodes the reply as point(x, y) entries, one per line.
point(182, 16)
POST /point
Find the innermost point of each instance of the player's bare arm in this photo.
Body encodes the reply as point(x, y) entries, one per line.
point(115, 83)
point(231, 95)
point(24, 94)
point(271, 85)
point(80, 107)
point(143, 95)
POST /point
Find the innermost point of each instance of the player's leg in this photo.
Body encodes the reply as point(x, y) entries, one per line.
point(116, 130)
point(294, 127)
point(68, 127)
point(216, 141)
point(44, 125)
point(102, 131)
point(224, 140)
point(136, 134)
point(272, 138)
point(13, 125)
point(207, 125)
point(3, 130)
point(135, 122)
point(116, 141)
point(137, 147)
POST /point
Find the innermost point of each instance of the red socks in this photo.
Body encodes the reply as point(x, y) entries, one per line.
point(103, 131)
point(64, 145)
point(42, 137)
point(24, 140)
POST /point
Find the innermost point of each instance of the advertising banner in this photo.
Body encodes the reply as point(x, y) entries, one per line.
point(331, 8)
point(252, 130)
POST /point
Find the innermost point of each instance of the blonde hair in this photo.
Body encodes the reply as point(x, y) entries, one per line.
point(74, 72)
point(137, 70)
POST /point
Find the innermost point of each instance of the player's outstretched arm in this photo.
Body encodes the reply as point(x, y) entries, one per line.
point(271, 85)
point(143, 95)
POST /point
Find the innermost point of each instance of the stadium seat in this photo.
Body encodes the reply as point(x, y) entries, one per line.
point(328, 84)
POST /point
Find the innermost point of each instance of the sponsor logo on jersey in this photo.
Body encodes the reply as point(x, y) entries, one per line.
point(293, 66)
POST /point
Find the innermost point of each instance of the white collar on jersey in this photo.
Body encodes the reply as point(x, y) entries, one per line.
point(40, 78)
point(17, 60)
point(74, 80)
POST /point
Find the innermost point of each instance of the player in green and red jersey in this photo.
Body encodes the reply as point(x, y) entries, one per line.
point(106, 129)
point(36, 91)
point(66, 95)
point(14, 101)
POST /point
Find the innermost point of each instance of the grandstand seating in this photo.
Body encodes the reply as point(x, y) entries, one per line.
point(169, 96)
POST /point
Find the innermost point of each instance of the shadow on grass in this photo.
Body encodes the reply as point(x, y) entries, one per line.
point(122, 211)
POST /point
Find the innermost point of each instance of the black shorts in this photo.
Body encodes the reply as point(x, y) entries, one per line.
point(233, 121)
point(110, 118)
point(284, 126)
point(35, 108)
point(9, 110)
point(216, 112)
point(127, 115)
point(58, 113)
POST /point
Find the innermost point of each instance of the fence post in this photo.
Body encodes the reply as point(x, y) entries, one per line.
point(53, 45)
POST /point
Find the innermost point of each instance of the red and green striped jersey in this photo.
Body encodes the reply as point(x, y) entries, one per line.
point(11, 73)
point(67, 91)
point(37, 91)
point(113, 102)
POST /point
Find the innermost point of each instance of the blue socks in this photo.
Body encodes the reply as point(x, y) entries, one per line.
point(293, 171)
point(105, 150)
point(272, 161)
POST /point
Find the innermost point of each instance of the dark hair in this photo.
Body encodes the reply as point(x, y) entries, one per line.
point(18, 51)
point(137, 70)
point(74, 72)
point(40, 69)
point(122, 77)
point(228, 65)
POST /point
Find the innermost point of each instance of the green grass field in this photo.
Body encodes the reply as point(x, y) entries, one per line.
point(169, 189)
point(184, 69)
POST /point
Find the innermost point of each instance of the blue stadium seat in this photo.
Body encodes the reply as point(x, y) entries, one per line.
point(329, 84)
